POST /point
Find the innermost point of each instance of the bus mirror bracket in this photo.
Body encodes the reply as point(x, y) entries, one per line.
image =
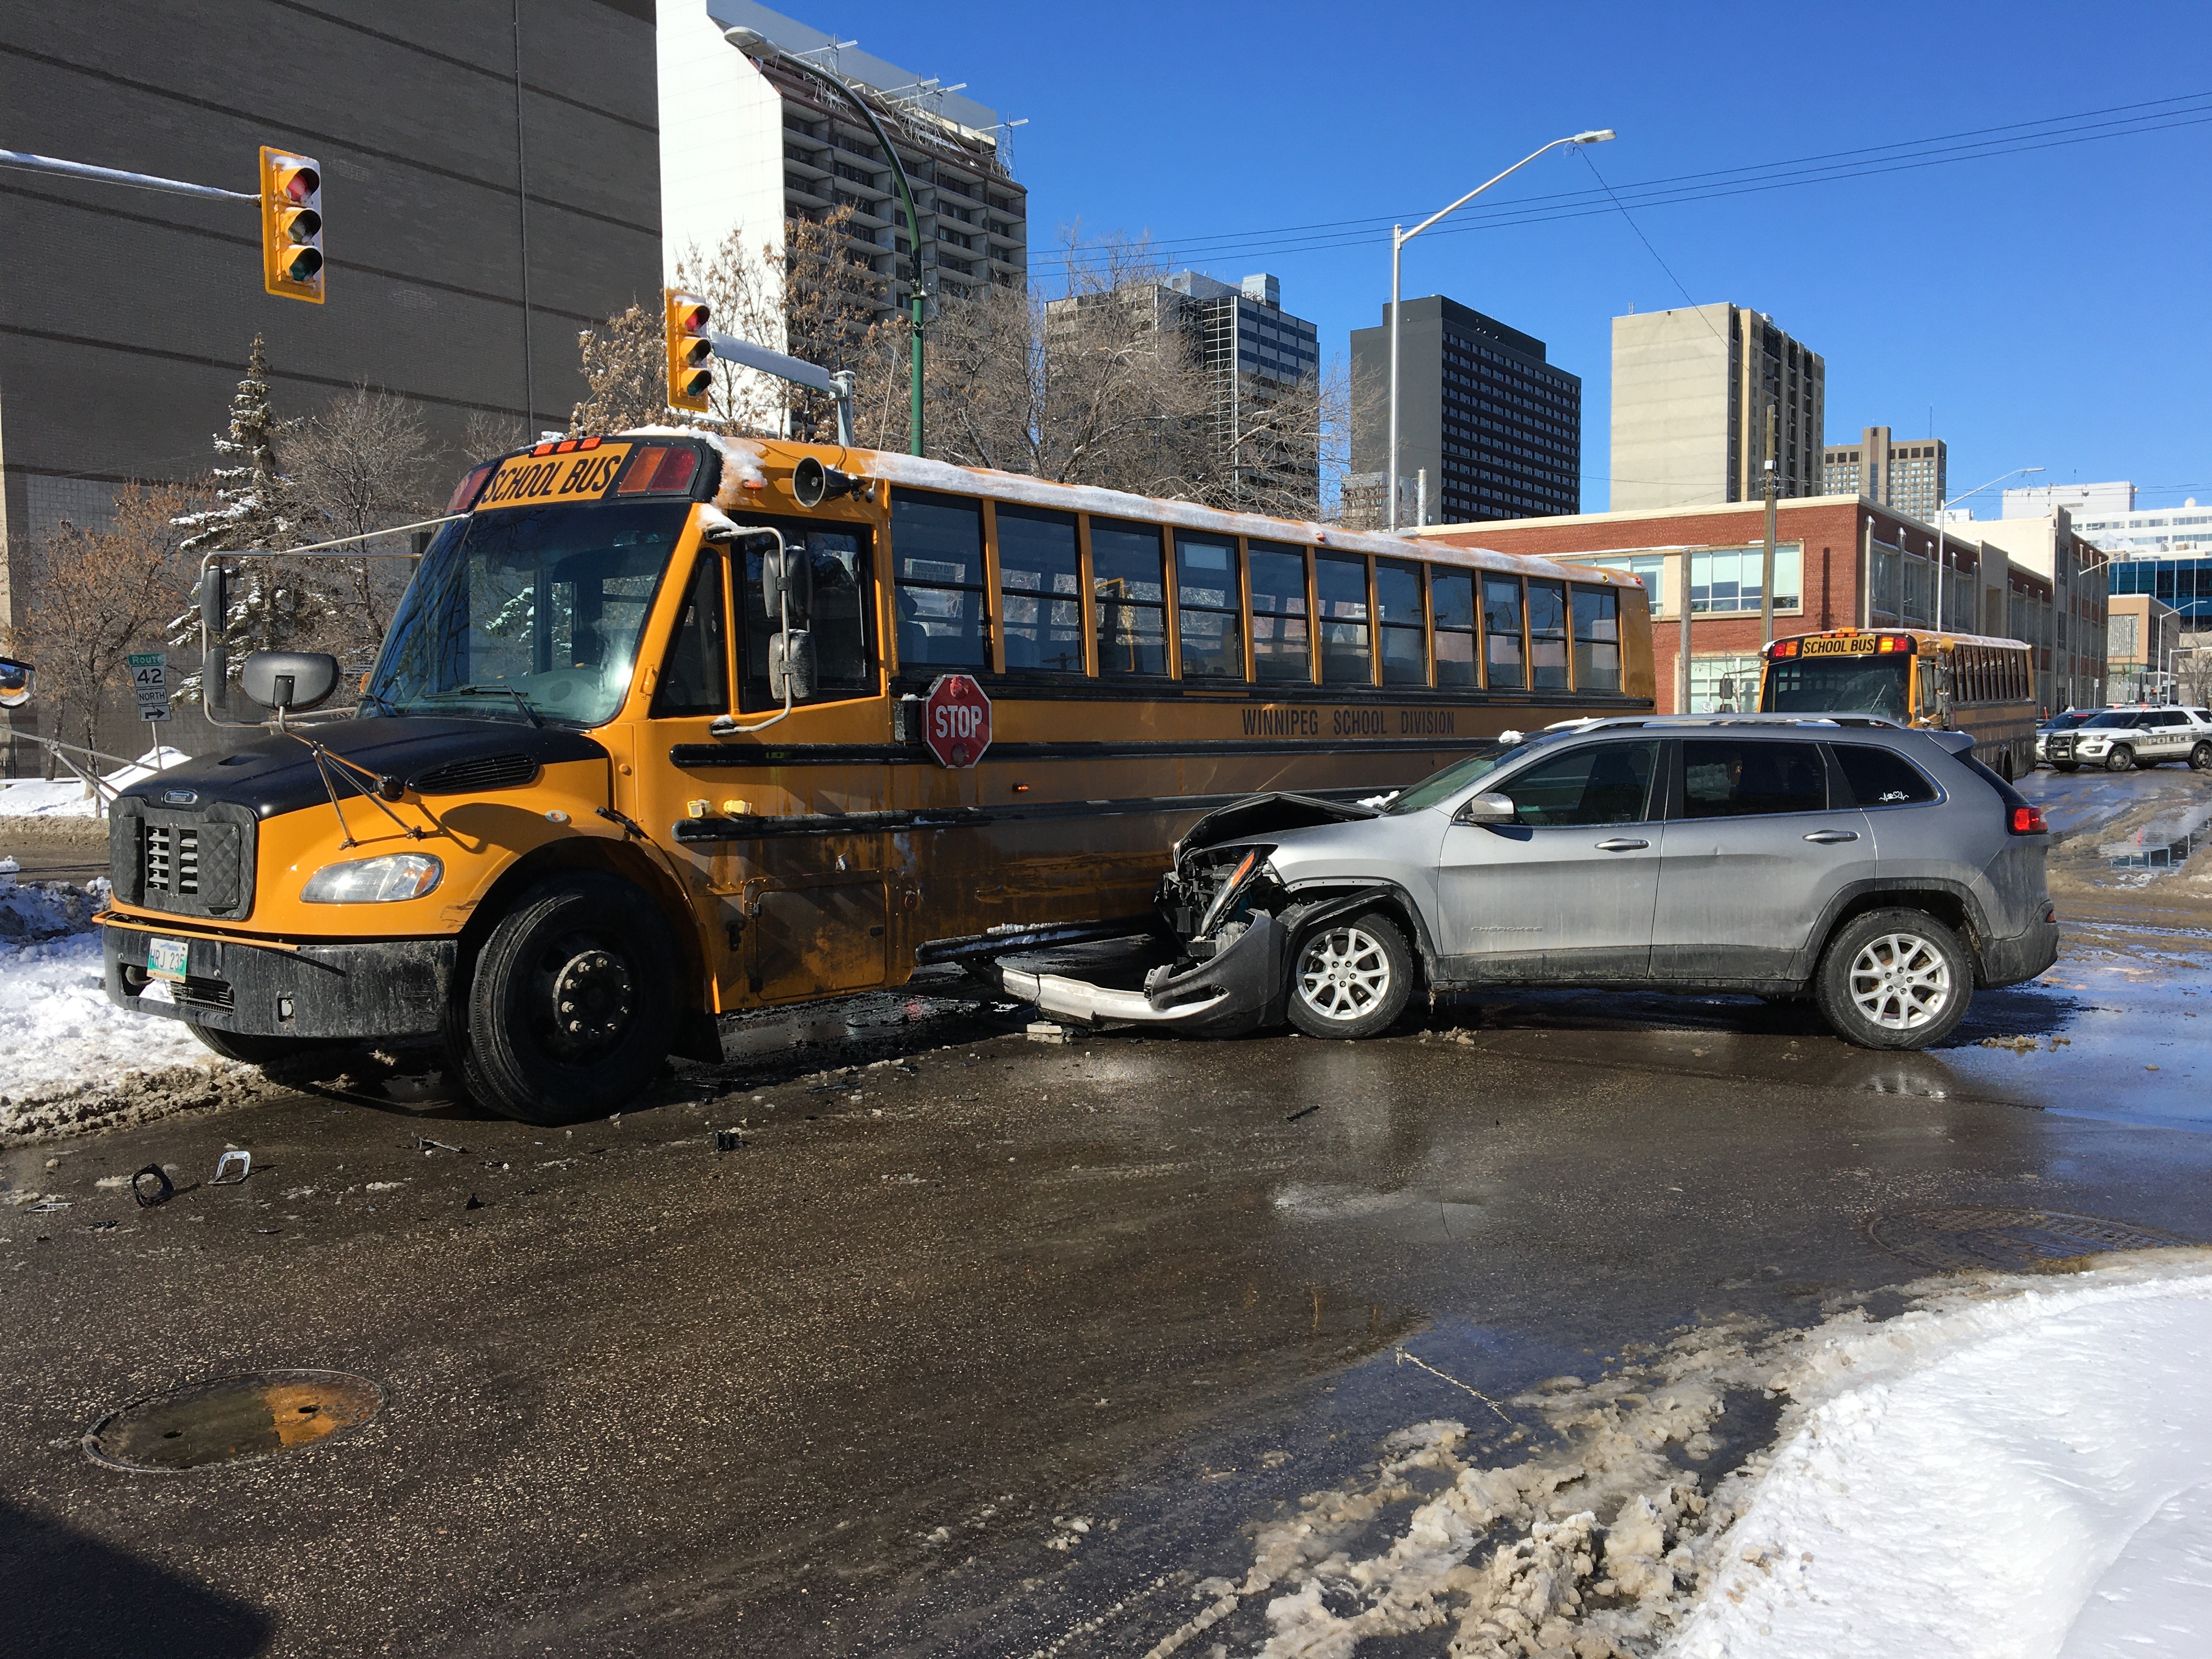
point(790, 651)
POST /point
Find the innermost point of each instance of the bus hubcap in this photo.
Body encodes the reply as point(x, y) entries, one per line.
point(591, 999)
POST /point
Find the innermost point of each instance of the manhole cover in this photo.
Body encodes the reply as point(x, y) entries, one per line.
point(237, 1417)
point(2014, 1241)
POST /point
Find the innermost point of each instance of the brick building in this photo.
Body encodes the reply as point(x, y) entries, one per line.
point(1841, 561)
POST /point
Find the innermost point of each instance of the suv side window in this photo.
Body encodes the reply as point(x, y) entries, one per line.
point(1606, 783)
point(1879, 777)
point(1732, 778)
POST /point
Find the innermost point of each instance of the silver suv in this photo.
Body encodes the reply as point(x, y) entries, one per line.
point(1884, 873)
point(2120, 739)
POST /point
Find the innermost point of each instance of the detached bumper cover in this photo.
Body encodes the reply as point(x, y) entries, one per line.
point(1239, 989)
point(392, 988)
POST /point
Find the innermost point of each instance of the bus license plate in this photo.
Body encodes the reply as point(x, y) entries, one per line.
point(165, 958)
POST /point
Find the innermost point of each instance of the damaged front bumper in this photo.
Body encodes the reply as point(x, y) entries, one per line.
point(1241, 988)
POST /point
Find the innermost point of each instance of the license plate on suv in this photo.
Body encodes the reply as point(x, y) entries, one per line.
point(165, 958)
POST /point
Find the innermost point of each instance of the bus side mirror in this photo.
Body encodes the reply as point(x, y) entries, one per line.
point(786, 575)
point(791, 666)
point(215, 598)
point(289, 681)
point(16, 679)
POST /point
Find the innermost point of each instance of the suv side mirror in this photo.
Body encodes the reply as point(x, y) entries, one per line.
point(1486, 809)
point(16, 679)
point(289, 681)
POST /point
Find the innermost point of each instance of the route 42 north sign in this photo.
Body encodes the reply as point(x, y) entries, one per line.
point(955, 720)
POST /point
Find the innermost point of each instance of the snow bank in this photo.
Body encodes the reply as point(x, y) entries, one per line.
point(2016, 1467)
point(67, 796)
point(2028, 1476)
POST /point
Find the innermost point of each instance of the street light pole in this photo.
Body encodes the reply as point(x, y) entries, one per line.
point(1399, 237)
point(753, 42)
point(1944, 540)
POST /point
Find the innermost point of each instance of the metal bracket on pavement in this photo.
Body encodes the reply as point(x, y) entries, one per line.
point(245, 1162)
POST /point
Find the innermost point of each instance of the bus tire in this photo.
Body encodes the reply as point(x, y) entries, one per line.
point(1351, 978)
point(2201, 758)
point(2121, 759)
point(2004, 766)
point(572, 1005)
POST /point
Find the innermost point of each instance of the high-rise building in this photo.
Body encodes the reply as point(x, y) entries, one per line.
point(1912, 477)
point(2090, 500)
point(1255, 353)
point(747, 143)
point(1691, 389)
point(1497, 428)
point(489, 185)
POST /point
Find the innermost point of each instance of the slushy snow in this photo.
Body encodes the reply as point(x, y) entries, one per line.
point(2018, 1466)
point(69, 798)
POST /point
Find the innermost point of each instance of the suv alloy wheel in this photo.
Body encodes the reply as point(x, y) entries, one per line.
point(2201, 758)
point(1893, 979)
point(1351, 978)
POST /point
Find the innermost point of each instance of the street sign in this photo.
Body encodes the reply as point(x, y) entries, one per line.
point(149, 681)
point(955, 720)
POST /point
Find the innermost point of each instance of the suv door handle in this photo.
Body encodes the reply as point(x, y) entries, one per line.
point(1621, 844)
point(1826, 835)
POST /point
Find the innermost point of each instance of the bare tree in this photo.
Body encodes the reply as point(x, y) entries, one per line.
point(96, 595)
point(364, 464)
point(489, 435)
point(625, 366)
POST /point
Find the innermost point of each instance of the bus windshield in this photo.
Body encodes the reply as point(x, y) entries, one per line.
point(531, 613)
point(1838, 685)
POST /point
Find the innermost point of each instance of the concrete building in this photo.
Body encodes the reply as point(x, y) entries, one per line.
point(745, 144)
point(2152, 532)
point(2140, 634)
point(1841, 561)
point(1690, 392)
point(489, 187)
point(1912, 477)
point(2082, 500)
point(1495, 426)
point(1253, 352)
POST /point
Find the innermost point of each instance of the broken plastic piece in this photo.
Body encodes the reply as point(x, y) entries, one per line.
point(161, 1194)
point(1044, 1031)
point(727, 1140)
point(244, 1161)
point(428, 1146)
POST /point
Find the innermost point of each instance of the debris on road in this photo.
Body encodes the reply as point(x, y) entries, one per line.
point(245, 1162)
point(163, 1191)
point(1044, 1031)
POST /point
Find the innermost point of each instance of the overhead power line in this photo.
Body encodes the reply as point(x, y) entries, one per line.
point(1981, 143)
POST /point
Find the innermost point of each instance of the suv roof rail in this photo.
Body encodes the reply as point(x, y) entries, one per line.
point(1625, 722)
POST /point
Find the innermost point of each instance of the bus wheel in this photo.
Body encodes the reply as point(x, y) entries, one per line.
point(2121, 759)
point(1350, 979)
point(572, 1005)
point(2004, 766)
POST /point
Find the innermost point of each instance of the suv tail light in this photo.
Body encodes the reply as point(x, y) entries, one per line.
point(2028, 821)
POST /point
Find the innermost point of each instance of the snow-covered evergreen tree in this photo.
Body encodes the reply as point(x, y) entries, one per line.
point(274, 604)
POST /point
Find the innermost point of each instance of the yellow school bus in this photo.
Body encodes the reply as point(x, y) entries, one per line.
point(1916, 677)
point(669, 726)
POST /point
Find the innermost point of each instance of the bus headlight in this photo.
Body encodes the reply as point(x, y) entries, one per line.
point(374, 881)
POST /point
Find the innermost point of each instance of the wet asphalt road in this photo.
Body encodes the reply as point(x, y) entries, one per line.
point(848, 1388)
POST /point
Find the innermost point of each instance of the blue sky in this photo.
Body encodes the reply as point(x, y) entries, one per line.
point(2049, 305)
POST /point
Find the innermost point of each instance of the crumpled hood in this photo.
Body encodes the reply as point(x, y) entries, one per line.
point(1266, 815)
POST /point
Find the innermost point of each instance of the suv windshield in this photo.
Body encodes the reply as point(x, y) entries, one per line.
point(529, 613)
point(1444, 785)
point(2113, 717)
point(1837, 685)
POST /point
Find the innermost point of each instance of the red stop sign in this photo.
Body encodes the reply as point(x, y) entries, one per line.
point(955, 720)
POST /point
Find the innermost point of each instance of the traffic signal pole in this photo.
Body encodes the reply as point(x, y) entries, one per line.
point(29, 163)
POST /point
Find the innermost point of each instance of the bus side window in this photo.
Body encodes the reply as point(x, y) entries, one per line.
point(1405, 631)
point(1040, 590)
point(1452, 596)
point(695, 676)
point(1501, 622)
point(1129, 581)
point(1597, 639)
point(1342, 586)
point(1281, 650)
point(1547, 636)
point(937, 544)
point(844, 663)
point(1208, 608)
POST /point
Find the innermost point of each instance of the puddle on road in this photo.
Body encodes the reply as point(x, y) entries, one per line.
point(231, 1420)
point(2168, 857)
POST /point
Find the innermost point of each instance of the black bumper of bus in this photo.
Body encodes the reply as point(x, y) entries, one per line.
point(392, 988)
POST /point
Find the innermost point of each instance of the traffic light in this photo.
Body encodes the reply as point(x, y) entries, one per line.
point(690, 352)
point(291, 225)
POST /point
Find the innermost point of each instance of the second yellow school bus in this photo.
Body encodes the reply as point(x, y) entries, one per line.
point(581, 810)
point(1916, 677)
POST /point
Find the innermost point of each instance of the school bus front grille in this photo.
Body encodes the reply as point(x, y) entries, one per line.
point(171, 859)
